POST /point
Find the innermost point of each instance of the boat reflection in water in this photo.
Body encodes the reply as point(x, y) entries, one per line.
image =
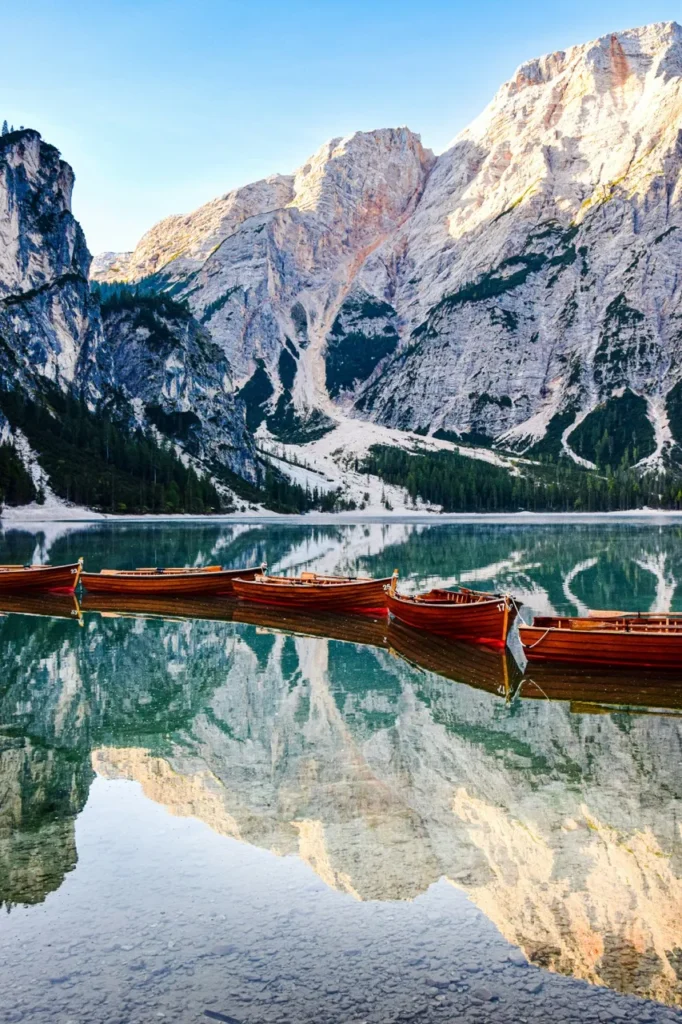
point(484, 668)
point(595, 689)
point(585, 688)
point(354, 629)
point(215, 608)
point(47, 604)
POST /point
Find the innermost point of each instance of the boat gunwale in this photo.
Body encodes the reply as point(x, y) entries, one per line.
point(460, 605)
point(144, 574)
point(314, 584)
point(675, 631)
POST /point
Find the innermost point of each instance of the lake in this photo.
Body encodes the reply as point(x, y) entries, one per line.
point(244, 818)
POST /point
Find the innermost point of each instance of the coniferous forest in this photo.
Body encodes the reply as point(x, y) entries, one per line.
point(16, 485)
point(92, 460)
point(461, 484)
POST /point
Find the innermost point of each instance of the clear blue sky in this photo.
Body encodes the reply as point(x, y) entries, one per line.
point(160, 105)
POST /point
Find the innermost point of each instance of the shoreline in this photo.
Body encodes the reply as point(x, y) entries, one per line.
point(37, 515)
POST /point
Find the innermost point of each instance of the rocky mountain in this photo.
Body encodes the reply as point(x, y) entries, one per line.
point(522, 288)
point(141, 362)
point(161, 362)
point(516, 295)
point(49, 322)
point(267, 267)
point(548, 234)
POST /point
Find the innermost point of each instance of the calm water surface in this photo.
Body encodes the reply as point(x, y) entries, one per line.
point(208, 812)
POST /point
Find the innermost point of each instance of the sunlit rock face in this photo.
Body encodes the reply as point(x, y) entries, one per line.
point(539, 269)
point(49, 324)
point(274, 260)
point(514, 283)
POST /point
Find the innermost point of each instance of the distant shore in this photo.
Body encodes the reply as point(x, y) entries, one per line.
point(34, 515)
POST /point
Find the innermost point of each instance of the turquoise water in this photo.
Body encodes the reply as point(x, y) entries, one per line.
point(211, 813)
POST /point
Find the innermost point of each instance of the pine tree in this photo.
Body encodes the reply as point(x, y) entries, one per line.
point(5, 129)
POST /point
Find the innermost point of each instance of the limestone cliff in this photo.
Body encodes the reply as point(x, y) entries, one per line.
point(53, 342)
point(162, 365)
point(266, 267)
point(508, 288)
point(539, 276)
point(49, 323)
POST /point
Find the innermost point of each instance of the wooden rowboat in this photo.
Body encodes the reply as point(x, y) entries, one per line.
point(316, 593)
point(477, 665)
point(464, 614)
point(653, 641)
point(15, 578)
point(210, 579)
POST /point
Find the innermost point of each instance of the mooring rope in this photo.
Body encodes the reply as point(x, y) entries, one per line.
point(518, 608)
point(531, 646)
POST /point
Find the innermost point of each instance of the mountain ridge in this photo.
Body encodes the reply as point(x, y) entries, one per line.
point(475, 220)
point(510, 305)
point(65, 402)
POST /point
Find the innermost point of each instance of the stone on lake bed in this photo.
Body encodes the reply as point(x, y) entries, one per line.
point(438, 982)
point(483, 994)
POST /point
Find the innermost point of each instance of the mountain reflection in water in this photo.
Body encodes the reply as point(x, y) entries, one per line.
point(384, 759)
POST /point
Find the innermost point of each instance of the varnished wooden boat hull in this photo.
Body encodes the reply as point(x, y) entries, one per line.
point(63, 578)
point(168, 584)
point(478, 665)
point(607, 647)
point(357, 596)
point(486, 622)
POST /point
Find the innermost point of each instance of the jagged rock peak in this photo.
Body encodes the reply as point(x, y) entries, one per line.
point(612, 58)
point(367, 175)
point(386, 164)
point(48, 321)
point(536, 268)
point(155, 366)
point(41, 239)
point(187, 240)
point(607, 68)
